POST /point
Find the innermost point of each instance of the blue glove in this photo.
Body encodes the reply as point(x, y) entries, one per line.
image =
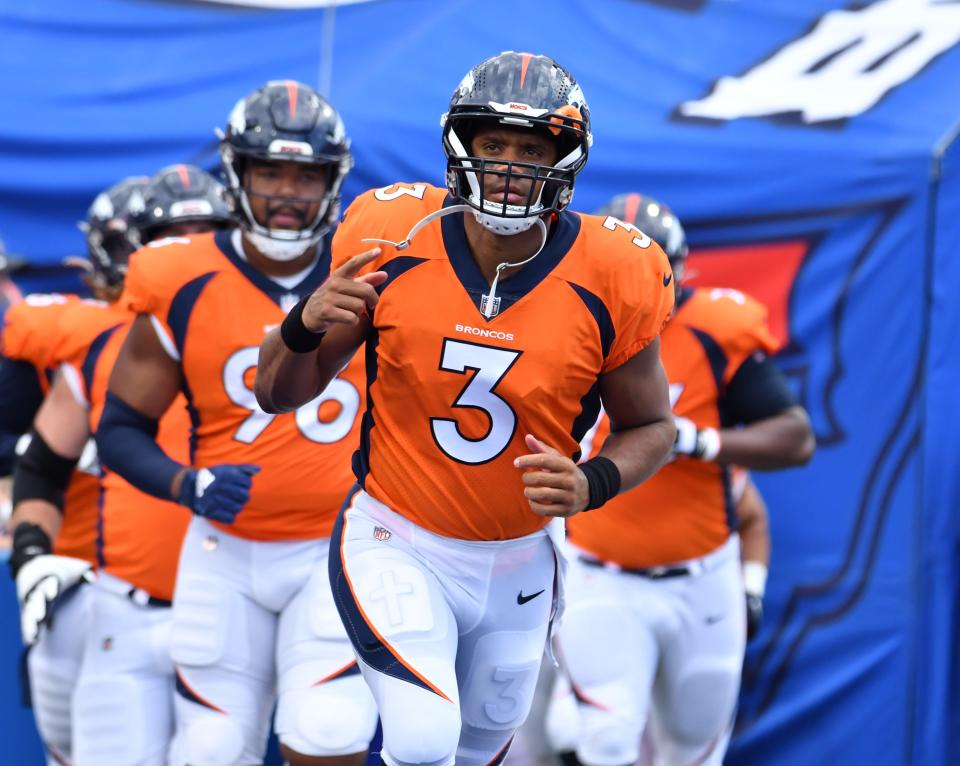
point(218, 493)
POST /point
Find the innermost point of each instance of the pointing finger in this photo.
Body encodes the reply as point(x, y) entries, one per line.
point(351, 267)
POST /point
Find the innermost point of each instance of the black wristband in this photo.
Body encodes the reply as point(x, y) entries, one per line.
point(295, 334)
point(603, 479)
point(29, 541)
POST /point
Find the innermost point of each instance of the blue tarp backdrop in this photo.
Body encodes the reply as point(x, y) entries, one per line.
point(808, 147)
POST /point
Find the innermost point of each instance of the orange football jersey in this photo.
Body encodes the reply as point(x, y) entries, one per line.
point(138, 536)
point(215, 309)
point(451, 393)
point(43, 330)
point(686, 510)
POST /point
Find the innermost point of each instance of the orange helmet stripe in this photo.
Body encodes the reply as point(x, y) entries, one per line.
point(292, 95)
point(184, 176)
point(631, 207)
point(524, 63)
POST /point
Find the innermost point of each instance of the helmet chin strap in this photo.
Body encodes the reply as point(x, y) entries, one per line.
point(490, 301)
point(278, 249)
point(436, 214)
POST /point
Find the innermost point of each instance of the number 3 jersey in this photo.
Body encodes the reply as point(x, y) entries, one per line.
point(211, 310)
point(451, 394)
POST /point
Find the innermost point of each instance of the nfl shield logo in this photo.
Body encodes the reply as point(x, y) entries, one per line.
point(288, 301)
point(381, 534)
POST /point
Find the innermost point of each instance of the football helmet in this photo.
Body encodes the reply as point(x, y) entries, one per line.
point(111, 232)
point(516, 90)
point(657, 221)
point(285, 121)
point(180, 194)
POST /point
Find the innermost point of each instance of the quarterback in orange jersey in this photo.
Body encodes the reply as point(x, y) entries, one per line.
point(253, 617)
point(136, 541)
point(35, 340)
point(495, 322)
point(656, 621)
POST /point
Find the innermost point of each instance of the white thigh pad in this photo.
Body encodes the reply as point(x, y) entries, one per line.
point(120, 721)
point(335, 718)
point(394, 595)
point(502, 677)
point(213, 740)
point(201, 617)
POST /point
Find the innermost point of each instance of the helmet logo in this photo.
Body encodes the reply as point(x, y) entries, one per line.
point(516, 106)
point(565, 111)
point(283, 146)
point(190, 207)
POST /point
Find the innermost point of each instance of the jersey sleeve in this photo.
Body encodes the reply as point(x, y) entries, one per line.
point(388, 213)
point(744, 329)
point(146, 284)
point(642, 301)
point(31, 329)
point(154, 276)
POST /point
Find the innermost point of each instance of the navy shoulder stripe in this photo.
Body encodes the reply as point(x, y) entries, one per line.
point(600, 314)
point(181, 307)
point(89, 365)
point(397, 267)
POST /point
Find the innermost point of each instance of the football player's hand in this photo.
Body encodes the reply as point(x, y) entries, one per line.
point(344, 296)
point(219, 492)
point(754, 614)
point(40, 582)
point(553, 484)
point(698, 443)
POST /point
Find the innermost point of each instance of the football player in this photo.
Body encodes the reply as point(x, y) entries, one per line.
point(136, 544)
point(495, 321)
point(656, 624)
point(253, 617)
point(33, 345)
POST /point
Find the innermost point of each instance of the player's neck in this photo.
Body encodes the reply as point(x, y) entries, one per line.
point(489, 250)
point(272, 267)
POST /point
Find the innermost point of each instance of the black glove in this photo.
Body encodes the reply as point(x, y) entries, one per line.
point(754, 614)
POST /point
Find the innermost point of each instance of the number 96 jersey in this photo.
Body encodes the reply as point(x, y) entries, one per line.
point(211, 310)
point(451, 394)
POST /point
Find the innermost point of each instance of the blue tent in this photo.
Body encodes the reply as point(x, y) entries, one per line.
point(810, 150)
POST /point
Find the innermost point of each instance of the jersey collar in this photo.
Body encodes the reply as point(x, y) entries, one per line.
point(564, 232)
point(274, 290)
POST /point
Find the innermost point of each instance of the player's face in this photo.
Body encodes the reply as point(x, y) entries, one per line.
point(496, 142)
point(286, 195)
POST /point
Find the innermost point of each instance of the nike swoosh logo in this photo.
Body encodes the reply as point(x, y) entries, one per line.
point(666, 279)
point(714, 618)
point(521, 599)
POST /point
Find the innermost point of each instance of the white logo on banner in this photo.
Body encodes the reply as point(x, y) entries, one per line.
point(842, 67)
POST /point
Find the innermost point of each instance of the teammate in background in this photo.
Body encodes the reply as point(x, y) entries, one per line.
point(35, 340)
point(253, 613)
point(86, 335)
point(126, 675)
point(754, 531)
point(491, 337)
point(656, 625)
